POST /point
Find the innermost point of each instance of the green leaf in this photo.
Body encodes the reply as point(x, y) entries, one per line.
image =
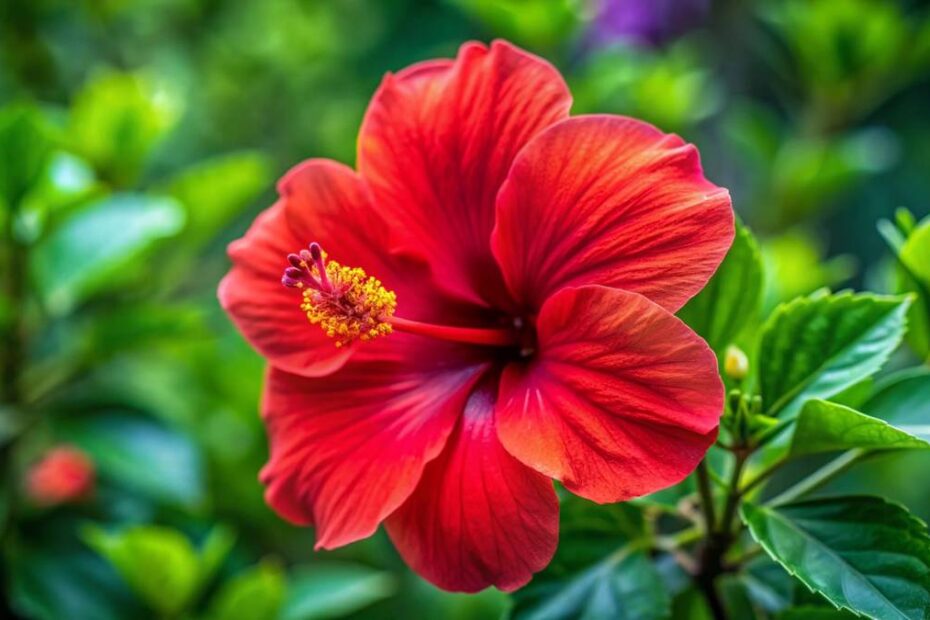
point(216, 546)
point(116, 120)
point(215, 191)
point(625, 586)
point(817, 346)
point(102, 246)
point(864, 554)
point(255, 594)
point(914, 276)
point(768, 585)
point(691, 605)
point(737, 600)
point(52, 583)
point(537, 23)
point(823, 426)
point(159, 564)
point(816, 613)
point(25, 149)
point(731, 298)
point(597, 571)
point(902, 398)
point(143, 455)
point(334, 591)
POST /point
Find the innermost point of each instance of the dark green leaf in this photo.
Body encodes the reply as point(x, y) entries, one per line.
point(142, 455)
point(731, 298)
point(823, 426)
point(768, 584)
point(623, 586)
point(817, 346)
point(53, 583)
point(903, 398)
point(596, 572)
point(691, 605)
point(737, 600)
point(861, 553)
point(102, 247)
point(25, 149)
point(334, 591)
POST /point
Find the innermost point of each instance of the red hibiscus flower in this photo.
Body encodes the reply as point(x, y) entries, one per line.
point(484, 305)
point(64, 474)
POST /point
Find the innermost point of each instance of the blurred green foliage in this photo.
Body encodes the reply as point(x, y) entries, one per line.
point(138, 138)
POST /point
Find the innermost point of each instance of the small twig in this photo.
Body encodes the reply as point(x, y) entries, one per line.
point(748, 555)
point(763, 475)
point(773, 433)
point(819, 477)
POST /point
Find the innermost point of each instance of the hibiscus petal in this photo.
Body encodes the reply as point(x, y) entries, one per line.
point(611, 201)
point(622, 400)
point(478, 517)
point(436, 144)
point(349, 448)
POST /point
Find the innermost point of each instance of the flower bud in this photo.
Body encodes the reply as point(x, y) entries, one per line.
point(64, 474)
point(735, 363)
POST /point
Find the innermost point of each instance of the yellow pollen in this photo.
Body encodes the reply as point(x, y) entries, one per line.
point(357, 308)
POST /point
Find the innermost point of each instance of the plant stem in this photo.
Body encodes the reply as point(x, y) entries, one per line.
point(11, 366)
point(733, 493)
point(707, 496)
point(14, 291)
point(819, 477)
point(719, 539)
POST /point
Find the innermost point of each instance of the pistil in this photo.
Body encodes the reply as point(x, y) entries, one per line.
point(469, 335)
point(348, 305)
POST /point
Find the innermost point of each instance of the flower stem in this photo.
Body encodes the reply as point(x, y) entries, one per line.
point(468, 335)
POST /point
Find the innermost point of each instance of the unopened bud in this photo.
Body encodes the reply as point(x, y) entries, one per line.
point(735, 363)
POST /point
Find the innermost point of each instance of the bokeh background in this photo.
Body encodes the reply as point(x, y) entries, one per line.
point(138, 137)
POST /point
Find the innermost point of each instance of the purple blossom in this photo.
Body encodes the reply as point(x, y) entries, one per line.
point(646, 22)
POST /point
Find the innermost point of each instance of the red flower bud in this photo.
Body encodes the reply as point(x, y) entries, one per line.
point(64, 474)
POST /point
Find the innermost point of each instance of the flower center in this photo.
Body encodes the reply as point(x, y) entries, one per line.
point(350, 305)
point(345, 302)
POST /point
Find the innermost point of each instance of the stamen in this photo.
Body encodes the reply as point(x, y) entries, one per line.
point(345, 302)
point(316, 254)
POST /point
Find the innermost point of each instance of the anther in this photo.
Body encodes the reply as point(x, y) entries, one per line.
point(344, 302)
